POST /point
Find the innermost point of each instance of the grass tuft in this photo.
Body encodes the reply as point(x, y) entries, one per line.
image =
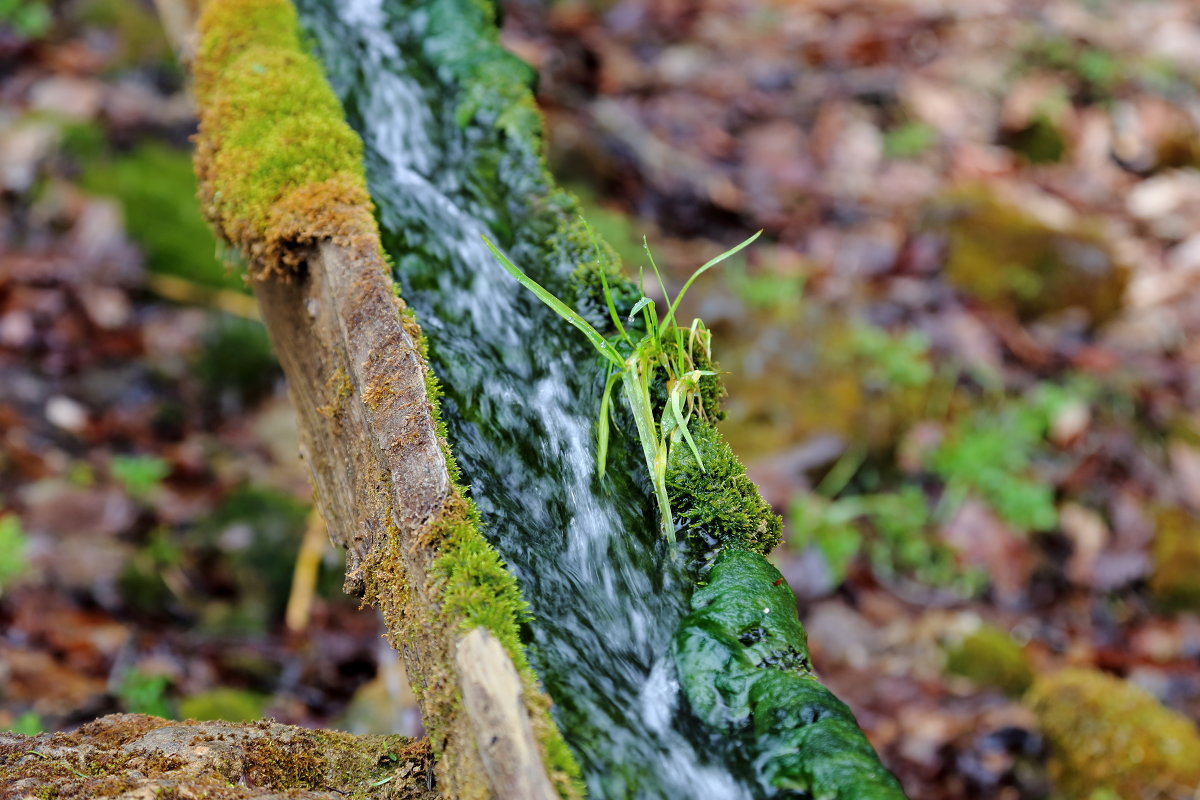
point(666, 348)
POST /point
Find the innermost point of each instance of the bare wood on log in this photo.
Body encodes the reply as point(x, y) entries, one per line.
point(492, 696)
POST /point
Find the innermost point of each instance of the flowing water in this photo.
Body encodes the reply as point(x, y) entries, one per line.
point(522, 389)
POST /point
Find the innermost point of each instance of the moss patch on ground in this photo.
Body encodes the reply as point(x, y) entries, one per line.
point(1108, 736)
point(988, 656)
point(1175, 577)
point(157, 191)
point(1003, 258)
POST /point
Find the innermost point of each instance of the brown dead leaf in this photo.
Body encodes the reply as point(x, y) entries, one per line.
point(983, 541)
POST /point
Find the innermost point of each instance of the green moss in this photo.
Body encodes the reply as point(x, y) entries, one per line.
point(233, 705)
point(475, 587)
point(1106, 735)
point(1005, 259)
point(278, 165)
point(1042, 141)
point(1175, 577)
point(989, 657)
point(229, 28)
point(157, 192)
point(743, 664)
point(717, 503)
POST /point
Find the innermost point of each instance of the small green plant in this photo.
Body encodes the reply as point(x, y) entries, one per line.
point(893, 360)
point(992, 453)
point(909, 140)
point(666, 346)
point(892, 528)
point(28, 724)
point(140, 475)
point(12, 550)
point(144, 693)
point(767, 290)
point(29, 19)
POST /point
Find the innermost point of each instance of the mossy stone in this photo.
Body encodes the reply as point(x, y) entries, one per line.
point(988, 656)
point(1003, 258)
point(1109, 736)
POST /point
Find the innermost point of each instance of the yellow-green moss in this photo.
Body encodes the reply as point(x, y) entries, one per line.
point(1106, 735)
point(95, 762)
point(988, 656)
point(1003, 258)
point(1175, 578)
point(279, 167)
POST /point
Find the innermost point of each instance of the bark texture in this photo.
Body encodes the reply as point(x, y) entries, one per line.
point(136, 757)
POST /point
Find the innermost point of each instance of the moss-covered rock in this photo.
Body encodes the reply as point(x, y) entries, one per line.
point(1003, 258)
point(988, 656)
point(743, 663)
point(1110, 738)
point(1175, 577)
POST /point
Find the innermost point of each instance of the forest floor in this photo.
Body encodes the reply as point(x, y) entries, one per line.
point(963, 364)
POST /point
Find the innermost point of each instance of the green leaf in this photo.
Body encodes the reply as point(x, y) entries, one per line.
point(602, 423)
point(12, 549)
point(140, 475)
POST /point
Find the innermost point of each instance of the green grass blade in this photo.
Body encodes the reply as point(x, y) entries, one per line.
point(635, 388)
point(612, 307)
point(658, 275)
point(675, 404)
point(602, 424)
point(708, 265)
point(645, 301)
point(559, 307)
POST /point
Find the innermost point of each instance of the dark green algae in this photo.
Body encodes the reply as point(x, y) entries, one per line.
point(453, 152)
point(743, 663)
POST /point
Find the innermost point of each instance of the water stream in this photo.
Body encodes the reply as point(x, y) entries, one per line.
point(522, 388)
